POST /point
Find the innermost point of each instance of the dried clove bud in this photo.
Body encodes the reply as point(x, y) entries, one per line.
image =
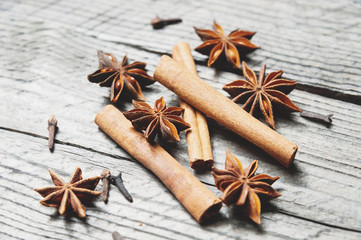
point(105, 176)
point(317, 117)
point(117, 236)
point(52, 128)
point(159, 23)
point(118, 182)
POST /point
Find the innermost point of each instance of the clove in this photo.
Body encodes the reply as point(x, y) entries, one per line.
point(118, 182)
point(159, 23)
point(105, 176)
point(52, 128)
point(317, 117)
point(117, 236)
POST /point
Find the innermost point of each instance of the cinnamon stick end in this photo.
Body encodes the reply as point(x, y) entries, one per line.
point(288, 162)
point(200, 164)
point(212, 211)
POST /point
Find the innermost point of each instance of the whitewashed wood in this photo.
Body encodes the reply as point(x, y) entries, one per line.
point(314, 42)
point(46, 56)
point(77, 127)
point(154, 214)
point(76, 113)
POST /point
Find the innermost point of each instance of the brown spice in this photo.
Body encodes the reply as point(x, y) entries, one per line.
point(195, 197)
point(74, 193)
point(121, 76)
point(218, 46)
point(215, 105)
point(159, 23)
point(198, 140)
point(105, 176)
point(160, 120)
point(262, 92)
point(52, 128)
point(243, 188)
point(327, 119)
point(118, 182)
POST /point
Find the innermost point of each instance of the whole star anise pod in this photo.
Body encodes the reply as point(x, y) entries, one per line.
point(218, 46)
point(160, 120)
point(243, 188)
point(121, 76)
point(74, 193)
point(263, 92)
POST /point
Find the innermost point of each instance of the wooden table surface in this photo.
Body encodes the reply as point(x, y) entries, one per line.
point(47, 48)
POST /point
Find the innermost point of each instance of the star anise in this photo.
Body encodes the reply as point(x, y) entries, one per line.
point(243, 188)
point(121, 76)
point(218, 46)
point(74, 193)
point(263, 92)
point(160, 120)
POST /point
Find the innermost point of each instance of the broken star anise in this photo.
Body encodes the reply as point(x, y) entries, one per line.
point(263, 92)
point(121, 76)
point(218, 46)
point(243, 188)
point(74, 193)
point(160, 120)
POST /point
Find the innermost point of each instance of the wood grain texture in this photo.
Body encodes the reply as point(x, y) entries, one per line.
point(48, 48)
point(292, 35)
point(160, 214)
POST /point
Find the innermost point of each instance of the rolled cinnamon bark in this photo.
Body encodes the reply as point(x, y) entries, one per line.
point(214, 104)
point(198, 140)
point(200, 202)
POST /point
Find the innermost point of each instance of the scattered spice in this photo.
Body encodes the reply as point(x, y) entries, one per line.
point(317, 117)
point(201, 202)
point(121, 76)
point(159, 23)
point(118, 182)
point(218, 46)
point(160, 120)
point(117, 236)
point(74, 193)
point(263, 92)
point(242, 187)
point(105, 176)
point(52, 128)
point(214, 104)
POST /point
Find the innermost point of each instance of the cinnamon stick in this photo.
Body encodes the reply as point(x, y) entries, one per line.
point(215, 105)
point(198, 140)
point(200, 202)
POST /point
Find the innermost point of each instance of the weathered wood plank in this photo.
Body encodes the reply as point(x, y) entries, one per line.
point(155, 213)
point(46, 56)
point(33, 93)
point(314, 42)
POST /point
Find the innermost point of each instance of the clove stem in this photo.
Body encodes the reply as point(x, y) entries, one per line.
point(52, 128)
point(159, 23)
point(118, 182)
point(105, 176)
point(317, 117)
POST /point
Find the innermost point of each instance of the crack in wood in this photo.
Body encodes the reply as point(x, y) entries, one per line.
point(67, 143)
point(318, 222)
point(330, 93)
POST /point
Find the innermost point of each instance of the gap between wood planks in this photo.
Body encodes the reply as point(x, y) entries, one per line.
point(130, 159)
point(329, 93)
